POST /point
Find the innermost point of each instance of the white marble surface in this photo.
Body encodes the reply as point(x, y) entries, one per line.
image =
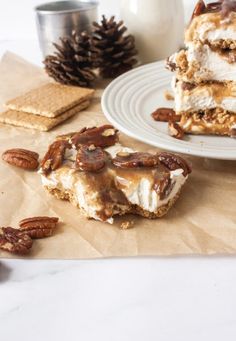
point(118, 300)
point(182, 299)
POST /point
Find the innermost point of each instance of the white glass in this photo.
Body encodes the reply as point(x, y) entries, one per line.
point(158, 26)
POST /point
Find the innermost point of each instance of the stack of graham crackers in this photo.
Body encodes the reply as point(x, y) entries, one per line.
point(47, 106)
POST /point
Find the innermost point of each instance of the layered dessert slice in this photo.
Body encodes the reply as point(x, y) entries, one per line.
point(102, 178)
point(207, 108)
point(205, 80)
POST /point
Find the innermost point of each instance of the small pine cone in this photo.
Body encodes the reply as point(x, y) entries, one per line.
point(71, 63)
point(112, 51)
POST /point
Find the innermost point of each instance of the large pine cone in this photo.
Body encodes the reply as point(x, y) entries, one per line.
point(71, 64)
point(112, 51)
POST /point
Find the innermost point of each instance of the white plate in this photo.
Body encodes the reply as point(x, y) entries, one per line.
point(131, 98)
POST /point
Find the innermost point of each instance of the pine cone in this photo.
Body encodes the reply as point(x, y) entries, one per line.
point(71, 64)
point(112, 52)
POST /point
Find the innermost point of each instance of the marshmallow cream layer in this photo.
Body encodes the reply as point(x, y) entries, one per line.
point(211, 27)
point(137, 190)
point(200, 63)
point(203, 97)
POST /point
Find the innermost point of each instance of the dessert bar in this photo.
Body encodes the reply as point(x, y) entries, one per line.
point(103, 179)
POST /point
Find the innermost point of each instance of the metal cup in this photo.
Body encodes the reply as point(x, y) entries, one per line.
point(60, 18)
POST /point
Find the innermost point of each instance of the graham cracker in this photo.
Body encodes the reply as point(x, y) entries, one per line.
point(31, 121)
point(50, 100)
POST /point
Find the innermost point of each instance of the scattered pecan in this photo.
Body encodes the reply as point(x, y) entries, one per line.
point(165, 115)
point(163, 185)
point(173, 162)
point(38, 227)
point(134, 160)
point(12, 240)
point(175, 130)
point(22, 158)
point(90, 158)
point(54, 156)
point(104, 136)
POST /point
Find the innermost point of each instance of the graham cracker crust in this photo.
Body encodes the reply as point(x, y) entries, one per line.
point(134, 209)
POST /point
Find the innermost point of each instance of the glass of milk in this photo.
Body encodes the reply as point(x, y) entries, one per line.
point(158, 26)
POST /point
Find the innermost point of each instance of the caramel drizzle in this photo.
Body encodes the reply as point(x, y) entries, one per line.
point(93, 159)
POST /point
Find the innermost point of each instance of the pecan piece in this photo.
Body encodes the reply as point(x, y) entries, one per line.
point(165, 115)
point(90, 158)
point(163, 185)
point(233, 132)
point(104, 136)
point(175, 130)
point(54, 156)
point(134, 160)
point(227, 7)
point(38, 227)
point(199, 9)
point(13, 241)
point(173, 162)
point(21, 158)
point(188, 86)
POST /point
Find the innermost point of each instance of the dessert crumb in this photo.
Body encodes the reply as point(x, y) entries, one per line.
point(169, 96)
point(127, 225)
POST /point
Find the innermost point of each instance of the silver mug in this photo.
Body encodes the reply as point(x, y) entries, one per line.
point(58, 19)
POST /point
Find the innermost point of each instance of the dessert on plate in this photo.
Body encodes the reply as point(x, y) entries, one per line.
point(205, 80)
point(103, 179)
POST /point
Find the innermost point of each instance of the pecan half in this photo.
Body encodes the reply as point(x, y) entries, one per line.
point(21, 158)
point(54, 156)
point(90, 158)
point(13, 241)
point(173, 162)
point(165, 115)
point(38, 227)
point(104, 136)
point(134, 160)
point(175, 130)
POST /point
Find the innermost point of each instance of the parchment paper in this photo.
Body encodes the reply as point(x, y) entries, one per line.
point(203, 221)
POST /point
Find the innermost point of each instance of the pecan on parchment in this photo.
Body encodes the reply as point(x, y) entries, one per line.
point(21, 158)
point(12, 240)
point(38, 227)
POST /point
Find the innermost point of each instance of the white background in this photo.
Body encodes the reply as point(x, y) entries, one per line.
point(17, 16)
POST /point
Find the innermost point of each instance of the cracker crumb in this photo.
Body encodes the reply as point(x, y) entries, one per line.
point(127, 225)
point(169, 96)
